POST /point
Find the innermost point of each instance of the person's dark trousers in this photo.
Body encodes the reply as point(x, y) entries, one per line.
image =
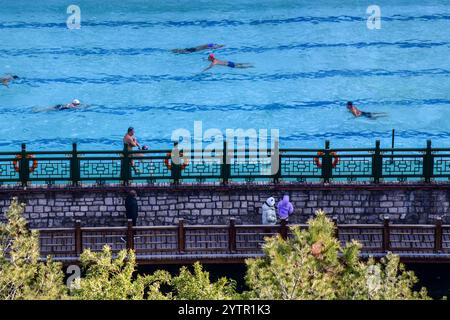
point(131, 207)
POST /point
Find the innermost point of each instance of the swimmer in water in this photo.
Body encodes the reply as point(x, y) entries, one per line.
point(358, 113)
point(211, 46)
point(7, 79)
point(230, 64)
point(73, 105)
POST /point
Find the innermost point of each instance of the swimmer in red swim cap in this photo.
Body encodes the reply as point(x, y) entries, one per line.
point(230, 64)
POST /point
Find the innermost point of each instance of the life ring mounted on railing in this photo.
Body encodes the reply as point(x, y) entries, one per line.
point(332, 153)
point(30, 156)
point(169, 165)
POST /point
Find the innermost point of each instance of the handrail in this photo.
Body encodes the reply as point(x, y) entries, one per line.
point(250, 165)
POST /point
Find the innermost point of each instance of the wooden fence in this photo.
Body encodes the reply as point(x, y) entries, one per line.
point(232, 242)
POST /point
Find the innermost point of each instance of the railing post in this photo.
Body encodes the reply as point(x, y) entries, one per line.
point(181, 236)
point(336, 230)
point(428, 163)
point(74, 166)
point(275, 156)
point(438, 235)
point(226, 166)
point(283, 229)
point(78, 238)
point(377, 163)
point(386, 234)
point(130, 235)
point(24, 166)
point(126, 166)
point(327, 169)
point(232, 235)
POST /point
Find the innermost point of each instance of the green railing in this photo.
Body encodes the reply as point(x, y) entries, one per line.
point(224, 165)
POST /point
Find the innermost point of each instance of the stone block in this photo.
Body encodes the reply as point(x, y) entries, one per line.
point(206, 212)
point(386, 204)
point(200, 205)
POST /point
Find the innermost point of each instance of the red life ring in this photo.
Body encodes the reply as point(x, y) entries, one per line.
point(30, 156)
point(169, 165)
point(332, 153)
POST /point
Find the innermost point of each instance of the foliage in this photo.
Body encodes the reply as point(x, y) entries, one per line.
point(197, 286)
point(112, 278)
point(108, 277)
point(312, 264)
point(22, 276)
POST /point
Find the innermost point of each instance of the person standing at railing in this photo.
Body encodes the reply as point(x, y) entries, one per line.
point(130, 140)
point(285, 208)
point(131, 207)
point(269, 215)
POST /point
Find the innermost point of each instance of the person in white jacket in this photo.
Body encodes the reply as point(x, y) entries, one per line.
point(269, 215)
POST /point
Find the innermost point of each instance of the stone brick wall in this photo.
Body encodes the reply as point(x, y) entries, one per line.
point(216, 205)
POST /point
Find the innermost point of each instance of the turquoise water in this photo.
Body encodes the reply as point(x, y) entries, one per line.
point(309, 57)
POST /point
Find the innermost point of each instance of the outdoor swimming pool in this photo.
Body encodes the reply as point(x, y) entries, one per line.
point(309, 60)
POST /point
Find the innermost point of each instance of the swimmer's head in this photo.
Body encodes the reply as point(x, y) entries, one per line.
point(349, 104)
point(130, 130)
point(76, 102)
point(211, 57)
point(15, 77)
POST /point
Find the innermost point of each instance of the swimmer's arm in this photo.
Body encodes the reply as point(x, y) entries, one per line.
point(130, 141)
point(135, 142)
point(209, 67)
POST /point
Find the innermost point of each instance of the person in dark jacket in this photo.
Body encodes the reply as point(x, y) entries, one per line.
point(131, 206)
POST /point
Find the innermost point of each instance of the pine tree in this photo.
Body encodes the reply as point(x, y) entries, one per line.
point(22, 275)
point(313, 265)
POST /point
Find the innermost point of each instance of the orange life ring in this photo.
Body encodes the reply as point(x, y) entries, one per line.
point(332, 153)
point(169, 165)
point(30, 156)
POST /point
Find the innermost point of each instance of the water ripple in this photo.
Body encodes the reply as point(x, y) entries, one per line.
point(116, 144)
point(190, 107)
point(95, 51)
point(222, 23)
point(212, 77)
